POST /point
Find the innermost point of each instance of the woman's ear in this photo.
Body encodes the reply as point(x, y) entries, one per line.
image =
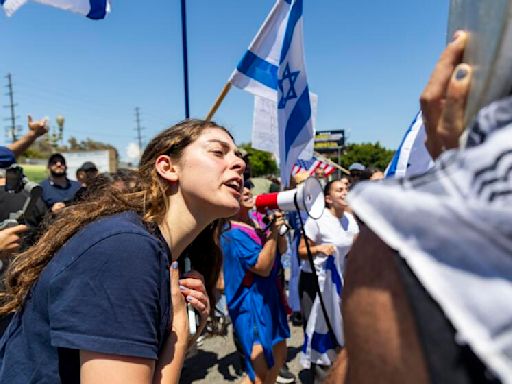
point(328, 200)
point(166, 168)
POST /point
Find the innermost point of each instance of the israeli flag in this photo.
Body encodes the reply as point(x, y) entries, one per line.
point(321, 346)
point(294, 107)
point(411, 157)
point(273, 67)
point(257, 71)
point(93, 9)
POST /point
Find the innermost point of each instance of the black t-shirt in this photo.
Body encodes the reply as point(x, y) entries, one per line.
point(106, 290)
point(14, 202)
point(447, 360)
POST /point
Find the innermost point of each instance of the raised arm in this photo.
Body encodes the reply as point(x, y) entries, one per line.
point(35, 130)
point(266, 258)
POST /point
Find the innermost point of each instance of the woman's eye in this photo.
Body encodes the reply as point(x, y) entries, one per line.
point(218, 152)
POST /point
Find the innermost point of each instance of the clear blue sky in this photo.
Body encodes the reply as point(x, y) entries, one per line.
point(367, 60)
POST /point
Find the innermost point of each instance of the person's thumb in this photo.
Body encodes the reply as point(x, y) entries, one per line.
point(177, 298)
point(452, 121)
point(174, 275)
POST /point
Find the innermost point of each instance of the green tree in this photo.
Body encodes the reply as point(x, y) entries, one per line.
point(261, 162)
point(91, 145)
point(371, 155)
point(74, 145)
point(42, 149)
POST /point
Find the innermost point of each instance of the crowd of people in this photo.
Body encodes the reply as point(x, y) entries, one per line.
point(101, 291)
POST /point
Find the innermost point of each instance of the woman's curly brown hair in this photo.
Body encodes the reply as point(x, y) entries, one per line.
point(148, 200)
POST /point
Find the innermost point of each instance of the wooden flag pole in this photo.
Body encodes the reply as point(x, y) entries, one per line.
point(332, 163)
point(219, 101)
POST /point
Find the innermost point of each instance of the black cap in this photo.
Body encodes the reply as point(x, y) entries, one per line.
point(56, 157)
point(88, 166)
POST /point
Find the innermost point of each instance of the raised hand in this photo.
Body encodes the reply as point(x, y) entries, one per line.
point(39, 127)
point(326, 249)
point(193, 290)
point(10, 239)
point(444, 98)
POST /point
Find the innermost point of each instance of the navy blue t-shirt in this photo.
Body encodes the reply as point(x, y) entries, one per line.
point(54, 193)
point(106, 290)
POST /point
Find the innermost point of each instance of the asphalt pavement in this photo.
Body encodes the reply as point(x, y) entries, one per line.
point(217, 361)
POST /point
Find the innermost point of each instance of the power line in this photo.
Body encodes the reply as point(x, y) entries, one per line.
point(12, 128)
point(100, 110)
point(38, 89)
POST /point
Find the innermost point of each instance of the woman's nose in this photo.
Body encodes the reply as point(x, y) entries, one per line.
point(239, 164)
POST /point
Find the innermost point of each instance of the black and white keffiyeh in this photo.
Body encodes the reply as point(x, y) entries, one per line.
point(453, 226)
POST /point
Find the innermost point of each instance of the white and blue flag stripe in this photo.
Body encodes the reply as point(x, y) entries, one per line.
point(257, 71)
point(294, 106)
point(320, 344)
point(93, 9)
point(411, 157)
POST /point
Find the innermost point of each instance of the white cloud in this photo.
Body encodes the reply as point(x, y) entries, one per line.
point(133, 151)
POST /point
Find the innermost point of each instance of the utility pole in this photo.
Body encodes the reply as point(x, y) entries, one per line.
point(139, 128)
point(11, 129)
point(185, 55)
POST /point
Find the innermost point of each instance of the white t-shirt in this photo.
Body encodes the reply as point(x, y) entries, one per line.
point(329, 229)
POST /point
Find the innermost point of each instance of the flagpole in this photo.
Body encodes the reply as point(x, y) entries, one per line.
point(337, 166)
point(185, 55)
point(219, 101)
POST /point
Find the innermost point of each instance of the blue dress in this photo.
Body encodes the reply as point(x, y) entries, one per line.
point(256, 304)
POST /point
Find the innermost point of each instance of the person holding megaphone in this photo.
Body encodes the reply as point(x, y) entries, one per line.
point(254, 293)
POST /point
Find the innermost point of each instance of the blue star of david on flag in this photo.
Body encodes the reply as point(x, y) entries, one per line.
point(290, 94)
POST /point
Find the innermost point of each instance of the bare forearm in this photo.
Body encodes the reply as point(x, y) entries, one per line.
point(303, 252)
point(20, 146)
point(171, 359)
point(266, 258)
point(282, 245)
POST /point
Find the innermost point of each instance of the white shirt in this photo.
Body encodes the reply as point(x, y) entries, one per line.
point(329, 229)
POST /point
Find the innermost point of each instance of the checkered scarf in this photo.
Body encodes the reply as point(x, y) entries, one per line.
point(453, 226)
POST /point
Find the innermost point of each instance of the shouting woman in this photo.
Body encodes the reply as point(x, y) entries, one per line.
point(98, 299)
